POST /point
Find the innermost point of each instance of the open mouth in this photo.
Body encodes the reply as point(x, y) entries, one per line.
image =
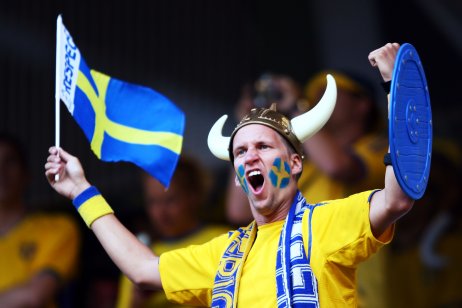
point(256, 180)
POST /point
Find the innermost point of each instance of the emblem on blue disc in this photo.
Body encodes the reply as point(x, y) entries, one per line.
point(410, 123)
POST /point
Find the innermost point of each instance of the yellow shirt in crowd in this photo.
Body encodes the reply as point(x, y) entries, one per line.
point(39, 243)
point(316, 185)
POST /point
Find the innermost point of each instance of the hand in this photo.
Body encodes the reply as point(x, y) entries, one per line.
point(72, 179)
point(384, 59)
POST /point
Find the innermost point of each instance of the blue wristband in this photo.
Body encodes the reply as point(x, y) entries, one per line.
point(387, 160)
point(91, 205)
point(88, 193)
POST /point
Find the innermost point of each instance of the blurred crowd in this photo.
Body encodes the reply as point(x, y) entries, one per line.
point(49, 259)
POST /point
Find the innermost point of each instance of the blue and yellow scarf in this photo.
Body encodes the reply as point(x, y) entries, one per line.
point(296, 284)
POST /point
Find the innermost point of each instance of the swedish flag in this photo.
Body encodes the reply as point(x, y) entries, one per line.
point(122, 121)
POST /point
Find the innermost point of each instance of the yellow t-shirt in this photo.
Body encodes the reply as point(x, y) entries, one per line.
point(316, 185)
point(340, 238)
point(158, 299)
point(38, 243)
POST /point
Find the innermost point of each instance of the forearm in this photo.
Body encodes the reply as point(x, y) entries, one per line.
point(19, 298)
point(389, 204)
point(397, 201)
point(132, 257)
point(39, 291)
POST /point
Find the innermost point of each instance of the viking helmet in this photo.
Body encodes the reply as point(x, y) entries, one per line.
point(296, 131)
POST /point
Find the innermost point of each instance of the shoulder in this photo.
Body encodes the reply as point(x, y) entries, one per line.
point(211, 249)
point(205, 234)
point(336, 225)
point(358, 198)
point(350, 204)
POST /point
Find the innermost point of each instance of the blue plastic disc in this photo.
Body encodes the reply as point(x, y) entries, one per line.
point(410, 123)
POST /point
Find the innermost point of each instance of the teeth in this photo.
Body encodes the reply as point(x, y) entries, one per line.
point(256, 172)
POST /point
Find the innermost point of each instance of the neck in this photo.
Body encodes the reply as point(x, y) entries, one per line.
point(277, 212)
point(273, 217)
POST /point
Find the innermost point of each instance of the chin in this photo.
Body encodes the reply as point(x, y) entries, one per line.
point(262, 206)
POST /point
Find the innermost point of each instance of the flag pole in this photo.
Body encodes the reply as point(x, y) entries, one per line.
point(57, 86)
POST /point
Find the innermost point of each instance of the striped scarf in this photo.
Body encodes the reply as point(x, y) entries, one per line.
point(296, 284)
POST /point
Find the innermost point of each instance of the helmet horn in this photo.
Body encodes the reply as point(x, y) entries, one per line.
point(309, 123)
point(218, 144)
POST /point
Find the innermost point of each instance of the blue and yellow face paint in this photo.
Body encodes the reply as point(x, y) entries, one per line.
point(242, 180)
point(280, 173)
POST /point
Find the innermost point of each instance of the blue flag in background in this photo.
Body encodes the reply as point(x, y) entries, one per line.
point(122, 121)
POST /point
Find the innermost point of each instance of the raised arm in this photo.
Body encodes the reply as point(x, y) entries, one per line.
point(132, 257)
point(333, 158)
point(389, 204)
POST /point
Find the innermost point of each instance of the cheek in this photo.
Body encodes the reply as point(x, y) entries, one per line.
point(240, 172)
point(280, 173)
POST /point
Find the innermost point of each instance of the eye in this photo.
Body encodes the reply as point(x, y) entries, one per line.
point(263, 146)
point(239, 152)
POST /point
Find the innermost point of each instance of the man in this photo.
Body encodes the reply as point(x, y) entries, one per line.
point(38, 251)
point(293, 254)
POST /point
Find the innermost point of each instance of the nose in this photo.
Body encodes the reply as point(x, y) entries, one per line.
point(251, 156)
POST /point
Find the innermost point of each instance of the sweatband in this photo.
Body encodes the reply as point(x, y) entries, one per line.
point(386, 86)
point(91, 205)
point(387, 160)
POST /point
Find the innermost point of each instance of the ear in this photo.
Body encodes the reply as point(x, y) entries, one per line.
point(296, 164)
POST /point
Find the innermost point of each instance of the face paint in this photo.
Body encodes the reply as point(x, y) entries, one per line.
point(242, 179)
point(280, 173)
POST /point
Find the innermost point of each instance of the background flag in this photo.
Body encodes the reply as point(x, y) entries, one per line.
point(122, 121)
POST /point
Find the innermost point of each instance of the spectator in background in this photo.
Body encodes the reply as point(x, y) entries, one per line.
point(347, 154)
point(38, 251)
point(175, 220)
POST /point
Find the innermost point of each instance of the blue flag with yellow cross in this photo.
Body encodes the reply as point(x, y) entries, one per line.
point(122, 121)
